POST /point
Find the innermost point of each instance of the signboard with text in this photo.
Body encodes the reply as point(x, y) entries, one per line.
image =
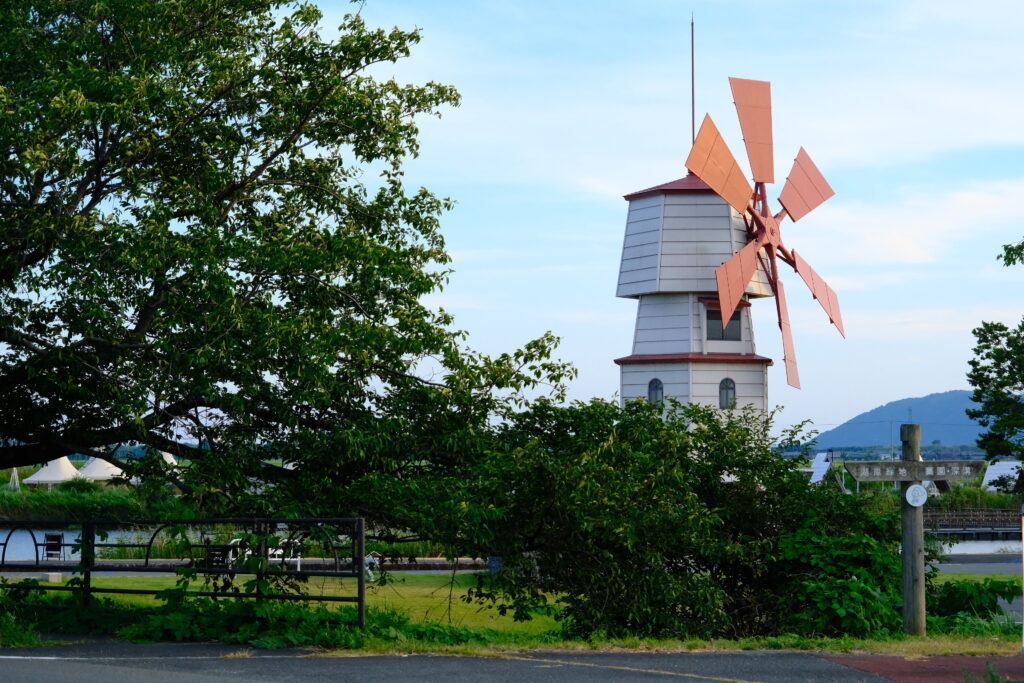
point(929, 470)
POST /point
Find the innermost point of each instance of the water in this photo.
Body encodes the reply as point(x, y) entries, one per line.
point(22, 544)
point(984, 548)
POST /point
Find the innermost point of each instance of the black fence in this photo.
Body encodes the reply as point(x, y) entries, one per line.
point(273, 551)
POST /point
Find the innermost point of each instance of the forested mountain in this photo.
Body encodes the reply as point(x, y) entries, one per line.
point(941, 417)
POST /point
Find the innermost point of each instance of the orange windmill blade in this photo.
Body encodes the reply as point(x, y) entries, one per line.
point(717, 166)
point(825, 295)
point(805, 189)
point(788, 354)
point(754, 108)
point(734, 275)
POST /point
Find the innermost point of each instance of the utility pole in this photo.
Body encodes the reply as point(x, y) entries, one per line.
point(908, 475)
point(912, 523)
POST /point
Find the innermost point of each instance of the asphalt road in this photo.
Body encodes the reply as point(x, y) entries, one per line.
point(112, 662)
point(205, 663)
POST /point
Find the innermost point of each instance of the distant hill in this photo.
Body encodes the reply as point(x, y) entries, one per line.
point(941, 417)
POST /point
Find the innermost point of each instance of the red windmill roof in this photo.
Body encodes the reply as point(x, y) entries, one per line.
point(689, 183)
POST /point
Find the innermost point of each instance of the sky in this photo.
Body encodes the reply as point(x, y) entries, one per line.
point(912, 111)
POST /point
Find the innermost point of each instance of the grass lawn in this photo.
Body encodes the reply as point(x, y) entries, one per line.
point(437, 598)
point(423, 597)
point(954, 576)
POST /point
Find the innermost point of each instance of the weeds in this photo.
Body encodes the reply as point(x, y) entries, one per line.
point(16, 633)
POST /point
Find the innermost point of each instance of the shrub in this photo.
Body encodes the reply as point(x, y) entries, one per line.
point(839, 585)
point(975, 598)
point(16, 633)
point(80, 486)
point(668, 521)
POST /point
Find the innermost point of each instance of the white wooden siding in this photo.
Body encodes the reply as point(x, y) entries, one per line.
point(638, 272)
point(751, 382)
point(663, 324)
point(674, 243)
point(636, 378)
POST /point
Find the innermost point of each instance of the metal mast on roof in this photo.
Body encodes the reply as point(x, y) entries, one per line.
point(693, 90)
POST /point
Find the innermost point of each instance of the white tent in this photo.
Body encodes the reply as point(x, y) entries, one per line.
point(54, 472)
point(100, 470)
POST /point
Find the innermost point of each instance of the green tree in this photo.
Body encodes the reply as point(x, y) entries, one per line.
point(641, 520)
point(206, 247)
point(997, 376)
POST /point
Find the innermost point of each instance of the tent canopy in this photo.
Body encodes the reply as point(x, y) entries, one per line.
point(54, 472)
point(100, 470)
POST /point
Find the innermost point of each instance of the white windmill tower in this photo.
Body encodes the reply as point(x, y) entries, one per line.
point(677, 234)
point(697, 250)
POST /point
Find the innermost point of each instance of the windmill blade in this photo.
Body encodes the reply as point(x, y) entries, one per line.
point(825, 295)
point(754, 107)
point(733, 276)
point(805, 188)
point(789, 355)
point(711, 161)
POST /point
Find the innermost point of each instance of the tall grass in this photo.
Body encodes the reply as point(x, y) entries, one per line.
point(35, 505)
point(971, 495)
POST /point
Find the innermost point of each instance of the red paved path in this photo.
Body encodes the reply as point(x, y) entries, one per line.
point(934, 669)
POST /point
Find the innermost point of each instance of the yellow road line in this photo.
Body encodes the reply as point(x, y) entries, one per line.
point(634, 669)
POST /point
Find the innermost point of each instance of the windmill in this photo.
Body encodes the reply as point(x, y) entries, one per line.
point(805, 189)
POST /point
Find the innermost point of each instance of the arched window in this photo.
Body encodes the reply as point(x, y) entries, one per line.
point(655, 391)
point(727, 393)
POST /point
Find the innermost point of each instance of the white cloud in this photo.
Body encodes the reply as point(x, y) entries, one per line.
point(869, 282)
point(925, 324)
point(922, 226)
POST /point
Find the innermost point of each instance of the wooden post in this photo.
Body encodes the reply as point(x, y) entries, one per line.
point(359, 562)
point(912, 523)
point(87, 559)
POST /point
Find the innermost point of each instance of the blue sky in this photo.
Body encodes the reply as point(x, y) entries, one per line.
point(912, 110)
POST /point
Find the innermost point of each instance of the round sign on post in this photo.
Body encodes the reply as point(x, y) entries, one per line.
point(916, 495)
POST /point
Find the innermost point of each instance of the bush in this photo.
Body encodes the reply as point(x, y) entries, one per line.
point(264, 624)
point(672, 521)
point(975, 598)
point(834, 585)
point(273, 625)
point(16, 633)
point(80, 486)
